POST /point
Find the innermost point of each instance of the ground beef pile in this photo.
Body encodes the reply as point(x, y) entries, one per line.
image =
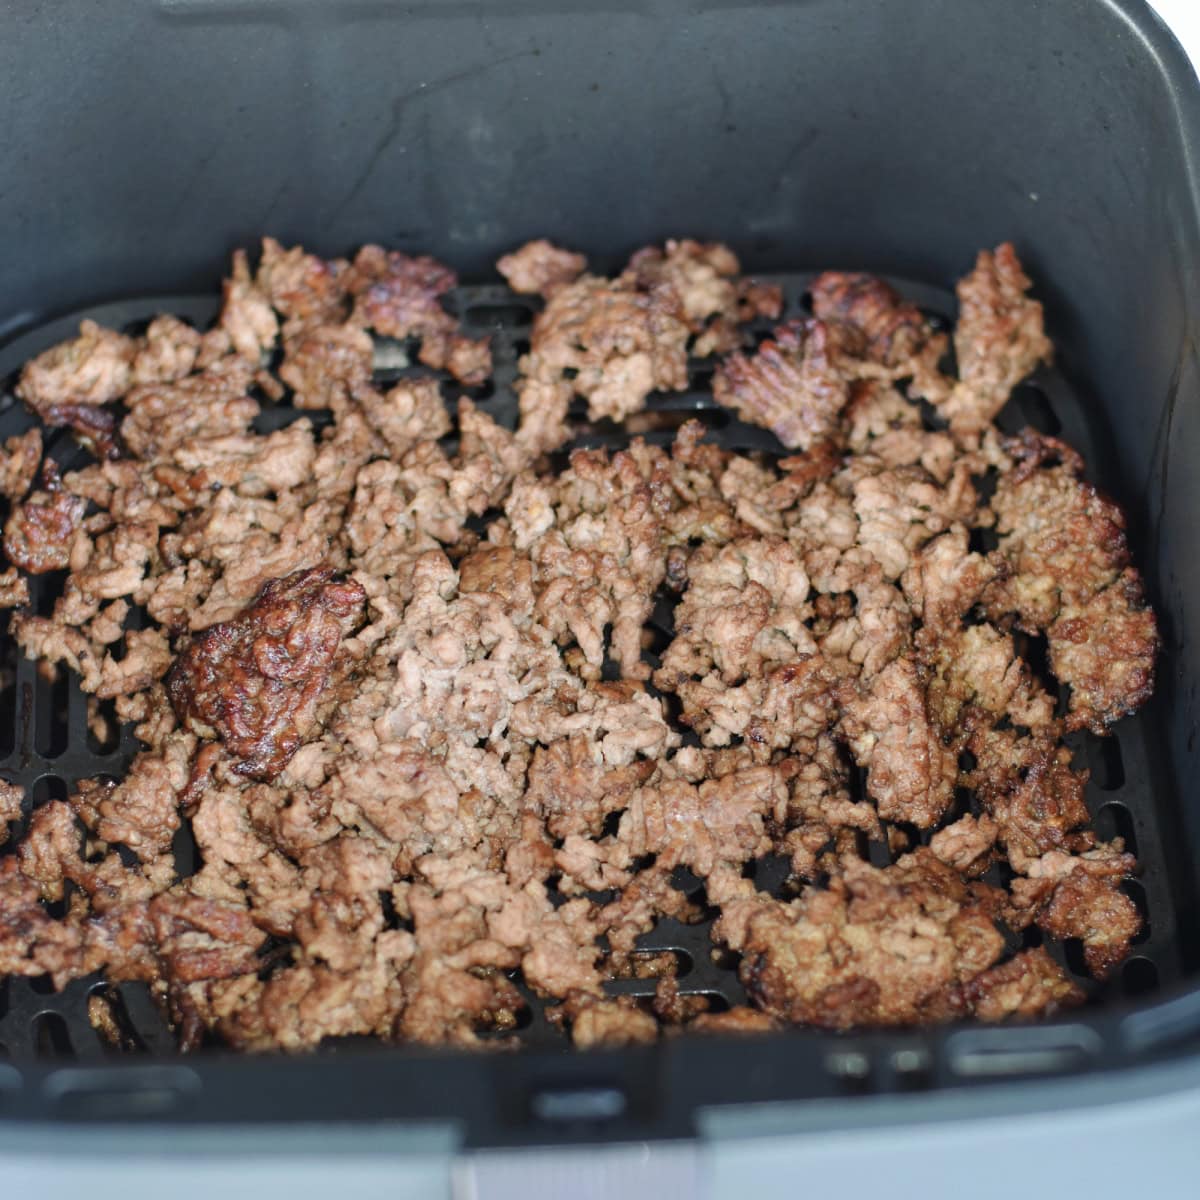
point(454, 712)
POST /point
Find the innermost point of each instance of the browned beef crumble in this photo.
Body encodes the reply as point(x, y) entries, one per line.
point(411, 697)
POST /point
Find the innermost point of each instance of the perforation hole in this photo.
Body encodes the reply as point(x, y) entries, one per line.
point(185, 851)
point(668, 421)
point(48, 788)
point(1114, 820)
point(45, 591)
point(1073, 953)
point(499, 316)
point(1035, 409)
point(1106, 763)
point(8, 693)
point(1139, 976)
point(1031, 937)
point(51, 1039)
point(103, 726)
point(109, 1017)
point(50, 727)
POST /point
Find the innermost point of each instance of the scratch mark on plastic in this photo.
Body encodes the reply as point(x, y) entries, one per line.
point(400, 103)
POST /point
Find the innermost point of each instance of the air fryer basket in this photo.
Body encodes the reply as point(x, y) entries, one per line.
point(806, 135)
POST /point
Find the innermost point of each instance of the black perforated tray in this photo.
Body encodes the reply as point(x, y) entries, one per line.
point(46, 747)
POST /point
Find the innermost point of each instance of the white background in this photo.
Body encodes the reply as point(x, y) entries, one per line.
point(1183, 16)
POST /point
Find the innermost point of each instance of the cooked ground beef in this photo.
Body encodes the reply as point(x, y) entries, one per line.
point(41, 532)
point(19, 462)
point(541, 268)
point(998, 341)
point(454, 718)
point(255, 682)
point(794, 385)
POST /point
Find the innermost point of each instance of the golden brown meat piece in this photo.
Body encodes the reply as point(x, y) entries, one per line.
point(14, 589)
point(255, 682)
point(1030, 984)
point(608, 342)
point(400, 297)
point(19, 460)
point(895, 331)
point(1079, 896)
point(304, 289)
point(910, 771)
point(246, 316)
point(1070, 577)
point(41, 532)
point(11, 798)
point(877, 947)
point(541, 268)
point(704, 276)
point(999, 340)
point(162, 416)
point(1105, 650)
point(94, 368)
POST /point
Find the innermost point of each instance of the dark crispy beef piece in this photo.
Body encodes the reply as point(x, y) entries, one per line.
point(794, 385)
point(31, 941)
point(1093, 910)
point(1029, 789)
point(93, 426)
point(40, 532)
point(894, 330)
point(94, 368)
point(399, 297)
point(19, 461)
point(540, 268)
point(197, 938)
point(254, 682)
